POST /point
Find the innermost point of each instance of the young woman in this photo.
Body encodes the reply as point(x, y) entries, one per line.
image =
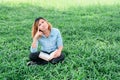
point(50, 41)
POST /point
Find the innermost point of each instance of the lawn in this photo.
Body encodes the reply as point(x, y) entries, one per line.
point(90, 31)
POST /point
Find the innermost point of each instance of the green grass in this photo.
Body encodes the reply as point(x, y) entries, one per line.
point(91, 36)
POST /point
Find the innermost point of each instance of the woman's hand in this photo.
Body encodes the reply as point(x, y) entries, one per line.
point(38, 34)
point(57, 52)
point(36, 37)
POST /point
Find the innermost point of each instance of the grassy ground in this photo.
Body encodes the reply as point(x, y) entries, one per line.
point(91, 36)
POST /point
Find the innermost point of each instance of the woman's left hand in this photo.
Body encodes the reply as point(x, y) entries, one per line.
point(57, 53)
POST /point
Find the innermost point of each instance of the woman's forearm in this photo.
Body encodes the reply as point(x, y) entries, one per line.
point(57, 52)
point(34, 43)
point(34, 46)
point(60, 48)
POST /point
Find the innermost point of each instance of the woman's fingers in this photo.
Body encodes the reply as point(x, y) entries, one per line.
point(38, 28)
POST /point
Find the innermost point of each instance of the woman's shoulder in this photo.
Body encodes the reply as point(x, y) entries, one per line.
point(55, 30)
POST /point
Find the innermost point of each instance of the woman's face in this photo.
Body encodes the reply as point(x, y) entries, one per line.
point(43, 25)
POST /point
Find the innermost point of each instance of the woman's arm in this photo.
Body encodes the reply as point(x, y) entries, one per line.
point(58, 52)
point(34, 44)
point(59, 44)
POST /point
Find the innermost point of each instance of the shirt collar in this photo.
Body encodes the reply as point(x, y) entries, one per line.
point(51, 33)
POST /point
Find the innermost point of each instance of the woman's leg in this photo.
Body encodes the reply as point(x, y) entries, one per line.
point(58, 59)
point(35, 58)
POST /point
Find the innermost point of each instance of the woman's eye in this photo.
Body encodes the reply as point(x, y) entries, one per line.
point(43, 22)
point(39, 24)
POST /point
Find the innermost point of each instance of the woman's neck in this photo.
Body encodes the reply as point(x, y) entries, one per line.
point(46, 33)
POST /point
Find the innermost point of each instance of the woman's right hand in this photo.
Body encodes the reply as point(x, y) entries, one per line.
point(36, 37)
point(38, 34)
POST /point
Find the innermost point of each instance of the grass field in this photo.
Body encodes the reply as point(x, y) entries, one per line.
point(91, 36)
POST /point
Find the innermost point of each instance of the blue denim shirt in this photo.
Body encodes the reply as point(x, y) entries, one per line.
point(50, 43)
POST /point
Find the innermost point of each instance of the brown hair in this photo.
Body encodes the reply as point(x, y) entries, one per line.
point(35, 25)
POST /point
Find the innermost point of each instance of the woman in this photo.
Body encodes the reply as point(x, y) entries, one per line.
point(50, 41)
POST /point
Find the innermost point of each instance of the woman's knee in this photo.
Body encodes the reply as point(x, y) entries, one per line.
point(58, 59)
point(62, 55)
point(33, 56)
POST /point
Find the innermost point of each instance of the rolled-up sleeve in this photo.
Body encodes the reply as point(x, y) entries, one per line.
point(59, 39)
point(33, 50)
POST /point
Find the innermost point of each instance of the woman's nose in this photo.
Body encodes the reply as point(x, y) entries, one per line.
point(42, 25)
